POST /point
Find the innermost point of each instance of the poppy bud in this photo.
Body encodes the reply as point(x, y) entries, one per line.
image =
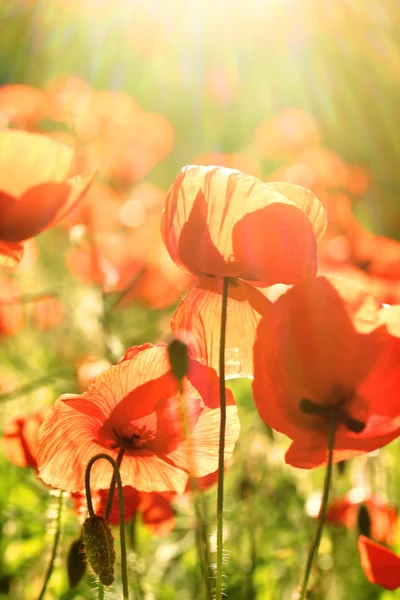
point(99, 548)
point(178, 358)
point(364, 521)
point(76, 563)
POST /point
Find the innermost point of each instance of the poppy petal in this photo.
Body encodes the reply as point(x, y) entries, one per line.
point(10, 253)
point(199, 316)
point(379, 564)
point(30, 159)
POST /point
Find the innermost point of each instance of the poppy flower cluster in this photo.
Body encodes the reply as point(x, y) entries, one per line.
point(219, 223)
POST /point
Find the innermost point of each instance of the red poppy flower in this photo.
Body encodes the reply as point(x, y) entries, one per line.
point(380, 565)
point(324, 347)
point(35, 189)
point(383, 517)
point(21, 439)
point(135, 406)
point(155, 507)
point(222, 223)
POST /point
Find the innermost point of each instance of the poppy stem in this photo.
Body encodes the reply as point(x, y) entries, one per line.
point(113, 483)
point(221, 451)
point(324, 504)
point(116, 479)
point(55, 546)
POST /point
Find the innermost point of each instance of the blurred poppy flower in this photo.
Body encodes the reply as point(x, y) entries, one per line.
point(154, 507)
point(325, 348)
point(286, 134)
point(135, 407)
point(21, 105)
point(222, 223)
point(88, 368)
point(120, 137)
point(382, 516)
point(11, 309)
point(21, 439)
point(36, 190)
point(380, 565)
point(47, 312)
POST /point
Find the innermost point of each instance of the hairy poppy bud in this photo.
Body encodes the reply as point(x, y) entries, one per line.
point(99, 548)
point(178, 358)
point(76, 563)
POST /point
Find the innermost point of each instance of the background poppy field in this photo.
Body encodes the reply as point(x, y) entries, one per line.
point(303, 91)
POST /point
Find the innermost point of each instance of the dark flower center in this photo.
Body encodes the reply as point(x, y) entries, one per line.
point(128, 443)
point(341, 415)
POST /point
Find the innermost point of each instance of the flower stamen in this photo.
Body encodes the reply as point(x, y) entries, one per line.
point(312, 408)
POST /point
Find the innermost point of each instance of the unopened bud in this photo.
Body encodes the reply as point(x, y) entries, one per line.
point(76, 563)
point(178, 358)
point(99, 548)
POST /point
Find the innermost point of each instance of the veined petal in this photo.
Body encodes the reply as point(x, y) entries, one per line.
point(199, 315)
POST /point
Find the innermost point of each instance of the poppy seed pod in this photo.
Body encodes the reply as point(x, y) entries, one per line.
point(99, 548)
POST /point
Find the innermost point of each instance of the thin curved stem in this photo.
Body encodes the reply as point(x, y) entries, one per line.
point(55, 546)
point(117, 478)
point(113, 483)
point(324, 504)
point(221, 451)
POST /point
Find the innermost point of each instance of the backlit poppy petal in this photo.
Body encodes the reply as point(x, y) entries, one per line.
point(211, 226)
point(199, 316)
point(10, 253)
point(30, 159)
point(379, 564)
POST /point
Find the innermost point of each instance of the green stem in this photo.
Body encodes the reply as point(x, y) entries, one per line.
point(116, 478)
point(324, 504)
point(113, 483)
point(221, 455)
point(55, 546)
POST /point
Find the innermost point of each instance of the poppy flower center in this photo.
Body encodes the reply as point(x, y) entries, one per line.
point(128, 443)
point(339, 412)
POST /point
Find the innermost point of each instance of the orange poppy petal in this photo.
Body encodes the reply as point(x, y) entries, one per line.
point(212, 214)
point(157, 512)
point(379, 564)
point(275, 244)
point(199, 315)
point(199, 454)
point(10, 253)
point(307, 202)
point(30, 159)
